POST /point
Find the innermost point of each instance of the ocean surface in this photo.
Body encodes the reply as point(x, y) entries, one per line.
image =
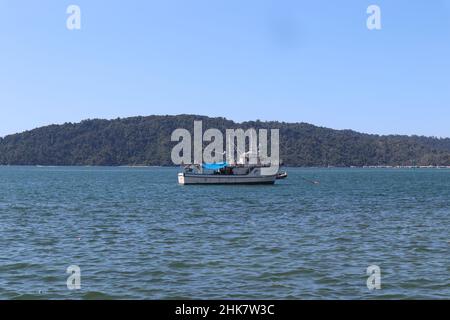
point(136, 233)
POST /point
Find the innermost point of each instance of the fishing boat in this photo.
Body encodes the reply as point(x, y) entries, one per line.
point(224, 173)
point(242, 172)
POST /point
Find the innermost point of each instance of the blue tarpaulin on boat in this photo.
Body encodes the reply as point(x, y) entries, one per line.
point(214, 166)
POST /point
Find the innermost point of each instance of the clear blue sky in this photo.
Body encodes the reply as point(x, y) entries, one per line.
point(310, 61)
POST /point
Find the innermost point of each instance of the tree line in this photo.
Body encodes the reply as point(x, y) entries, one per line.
point(146, 141)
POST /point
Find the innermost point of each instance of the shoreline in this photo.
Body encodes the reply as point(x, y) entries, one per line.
point(176, 166)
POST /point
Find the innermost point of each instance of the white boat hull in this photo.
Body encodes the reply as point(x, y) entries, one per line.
point(186, 178)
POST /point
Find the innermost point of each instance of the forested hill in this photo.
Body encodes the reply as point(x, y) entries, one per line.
point(146, 141)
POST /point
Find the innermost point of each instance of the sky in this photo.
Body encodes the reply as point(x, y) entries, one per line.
point(293, 61)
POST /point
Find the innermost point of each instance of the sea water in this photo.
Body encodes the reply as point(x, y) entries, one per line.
point(136, 233)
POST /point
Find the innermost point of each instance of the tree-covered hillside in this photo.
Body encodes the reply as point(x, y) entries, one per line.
point(146, 141)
